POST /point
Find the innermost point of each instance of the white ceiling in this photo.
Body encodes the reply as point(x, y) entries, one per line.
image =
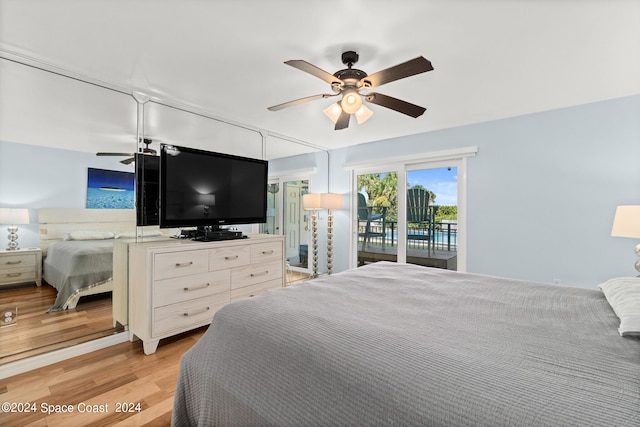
point(493, 59)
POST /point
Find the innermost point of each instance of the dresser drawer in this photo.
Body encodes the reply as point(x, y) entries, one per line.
point(187, 315)
point(175, 264)
point(253, 290)
point(17, 275)
point(252, 274)
point(178, 289)
point(18, 260)
point(234, 256)
point(265, 252)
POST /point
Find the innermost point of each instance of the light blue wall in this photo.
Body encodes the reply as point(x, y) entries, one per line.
point(542, 190)
point(40, 177)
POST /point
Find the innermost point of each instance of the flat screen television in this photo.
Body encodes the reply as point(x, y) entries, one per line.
point(147, 190)
point(210, 190)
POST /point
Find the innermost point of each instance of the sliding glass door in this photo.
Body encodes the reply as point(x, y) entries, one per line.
point(295, 224)
point(431, 216)
point(272, 226)
point(411, 210)
point(377, 217)
point(286, 216)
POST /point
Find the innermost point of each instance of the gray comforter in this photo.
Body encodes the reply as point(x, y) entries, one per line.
point(73, 265)
point(402, 345)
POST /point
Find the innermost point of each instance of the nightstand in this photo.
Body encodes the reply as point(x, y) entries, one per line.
point(21, 266)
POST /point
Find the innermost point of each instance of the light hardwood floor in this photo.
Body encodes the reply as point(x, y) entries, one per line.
point(107, 379)
point(37, 331)
point(117, 375)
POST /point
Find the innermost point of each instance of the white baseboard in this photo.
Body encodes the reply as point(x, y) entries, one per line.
point(35, 362)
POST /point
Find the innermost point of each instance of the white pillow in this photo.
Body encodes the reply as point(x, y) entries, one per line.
point(623, 294)
point(90, 235)
point(145, 233)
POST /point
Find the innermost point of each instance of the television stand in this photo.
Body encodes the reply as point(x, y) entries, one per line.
point(216, 235)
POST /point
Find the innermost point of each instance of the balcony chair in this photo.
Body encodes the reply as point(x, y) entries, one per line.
point(419, 212)
point(366, 216)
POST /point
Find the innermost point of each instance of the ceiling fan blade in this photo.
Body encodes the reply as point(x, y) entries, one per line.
point(343, 121)
point(300, 101)
point(314, 71)
point(114, 154)
point(406, 69)
point(399, 105)
point(128, 161)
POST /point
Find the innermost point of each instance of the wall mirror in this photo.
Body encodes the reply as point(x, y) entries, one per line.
point(52, 126)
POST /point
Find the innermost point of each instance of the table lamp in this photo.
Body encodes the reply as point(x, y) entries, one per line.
point(626, 223)
point(330, 201)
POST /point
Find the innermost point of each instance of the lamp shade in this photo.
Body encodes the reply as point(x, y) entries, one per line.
point(363, 114)
point(311, 201)
point(351, 101)
point(333, 111)
point(331, 201)
point(626, 223)
point(14, 216)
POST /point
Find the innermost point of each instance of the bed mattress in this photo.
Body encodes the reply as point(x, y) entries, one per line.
point(391, 344)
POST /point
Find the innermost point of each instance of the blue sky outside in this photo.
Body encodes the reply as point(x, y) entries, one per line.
point(442, 181)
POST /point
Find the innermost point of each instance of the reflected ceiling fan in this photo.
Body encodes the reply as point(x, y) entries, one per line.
point(132, 156)
point(350, 81)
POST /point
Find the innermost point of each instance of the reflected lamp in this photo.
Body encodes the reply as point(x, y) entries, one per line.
point(311, 202)
point(13, 217)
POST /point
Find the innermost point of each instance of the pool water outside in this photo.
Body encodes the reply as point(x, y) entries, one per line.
point(439, 236)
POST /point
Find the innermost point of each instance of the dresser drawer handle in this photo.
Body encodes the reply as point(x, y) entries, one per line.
point(184, 264)
point(14, 274)
point(267, 252)
point(262, 273)
point(231, 257)
point(204, 310)
point(13, 262)
point(206, 285)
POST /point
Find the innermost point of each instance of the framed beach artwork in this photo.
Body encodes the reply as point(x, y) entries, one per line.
point(108, 189)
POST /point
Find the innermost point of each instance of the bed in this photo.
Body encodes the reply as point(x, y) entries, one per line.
point(77, 247)
point(394, 344)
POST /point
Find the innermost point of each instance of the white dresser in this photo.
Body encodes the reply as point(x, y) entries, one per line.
point(178, 285)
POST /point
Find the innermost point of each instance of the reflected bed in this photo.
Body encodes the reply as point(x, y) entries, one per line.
point(78, 268)
point(77, 246)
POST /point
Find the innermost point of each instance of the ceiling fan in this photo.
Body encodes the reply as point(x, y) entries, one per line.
point(132, 156)
point(350, 81)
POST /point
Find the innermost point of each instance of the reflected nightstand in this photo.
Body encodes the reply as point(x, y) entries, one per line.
point(21, 266)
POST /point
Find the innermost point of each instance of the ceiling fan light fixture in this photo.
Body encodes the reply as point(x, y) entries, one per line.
point(363, 114)
point(333, 111)
point(351, 101)
point(349, 81)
